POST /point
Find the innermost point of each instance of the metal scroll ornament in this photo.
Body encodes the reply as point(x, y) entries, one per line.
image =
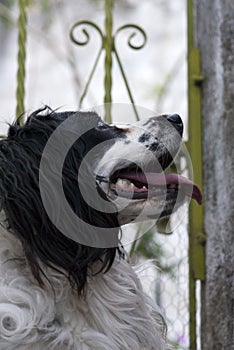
point(80, 35)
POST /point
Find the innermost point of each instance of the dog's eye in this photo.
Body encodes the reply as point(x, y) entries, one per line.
point(101, 125)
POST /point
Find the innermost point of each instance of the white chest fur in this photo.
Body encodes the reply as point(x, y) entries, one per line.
point(115, 314)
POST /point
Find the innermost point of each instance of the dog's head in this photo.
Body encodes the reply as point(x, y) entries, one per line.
point(65, 176)
point(132, 171)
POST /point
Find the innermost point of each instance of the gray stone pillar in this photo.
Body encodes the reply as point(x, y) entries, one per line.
point(214, 33)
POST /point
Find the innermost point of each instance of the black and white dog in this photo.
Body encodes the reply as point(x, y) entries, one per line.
point(68, 181)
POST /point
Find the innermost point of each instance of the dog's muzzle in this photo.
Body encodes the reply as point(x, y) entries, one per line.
point(133, 169)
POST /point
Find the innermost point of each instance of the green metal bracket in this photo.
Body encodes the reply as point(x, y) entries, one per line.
point(197, 237)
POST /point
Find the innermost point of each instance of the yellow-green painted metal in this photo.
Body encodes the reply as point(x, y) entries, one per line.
point(196, 221)
point(108, 47)
point(22, 36)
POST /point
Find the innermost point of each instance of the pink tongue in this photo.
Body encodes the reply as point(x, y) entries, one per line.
point(160, 179)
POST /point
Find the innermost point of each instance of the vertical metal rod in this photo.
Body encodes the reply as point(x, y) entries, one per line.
point(22, 37)
point(196, 229)
point(108, 47)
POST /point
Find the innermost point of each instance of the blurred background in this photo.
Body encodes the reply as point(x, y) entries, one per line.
point(57, 70)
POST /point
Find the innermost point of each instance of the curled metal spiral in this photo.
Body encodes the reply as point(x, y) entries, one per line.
point(137, 30)
point(86, 40)
point(108, 41)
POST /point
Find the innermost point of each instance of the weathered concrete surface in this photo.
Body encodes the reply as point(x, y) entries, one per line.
point(215, 37)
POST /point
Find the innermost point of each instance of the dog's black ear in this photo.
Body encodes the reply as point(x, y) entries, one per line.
point(26, 217)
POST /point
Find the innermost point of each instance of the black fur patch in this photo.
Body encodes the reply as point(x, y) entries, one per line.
point(144, 137)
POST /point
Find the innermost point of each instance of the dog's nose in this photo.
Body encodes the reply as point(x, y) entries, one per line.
point(176, 121)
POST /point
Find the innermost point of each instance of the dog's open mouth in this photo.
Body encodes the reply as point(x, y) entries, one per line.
point(133, 183)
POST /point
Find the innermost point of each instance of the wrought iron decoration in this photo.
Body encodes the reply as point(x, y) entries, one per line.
point(108, 44)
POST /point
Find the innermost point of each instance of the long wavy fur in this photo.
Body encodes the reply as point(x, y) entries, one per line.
point(56, 293)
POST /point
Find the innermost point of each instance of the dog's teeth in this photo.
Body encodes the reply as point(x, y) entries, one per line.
point(144, 188)
point(123, 183)
point(132, 185)
point(120, 182)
